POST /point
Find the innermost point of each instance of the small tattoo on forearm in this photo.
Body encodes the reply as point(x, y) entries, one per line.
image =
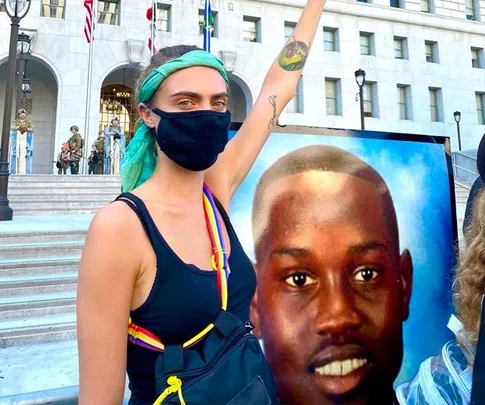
point(294, 55)
point(272, 101)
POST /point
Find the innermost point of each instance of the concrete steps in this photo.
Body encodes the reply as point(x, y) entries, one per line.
point(37, 305)
point(22, 285)
point(38, 279)
point(41, 329)
point(41, 250)
point(61, 195)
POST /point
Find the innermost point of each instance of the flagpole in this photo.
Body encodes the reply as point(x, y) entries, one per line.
point(88, 90)
point(206, 26)
point(154, 10)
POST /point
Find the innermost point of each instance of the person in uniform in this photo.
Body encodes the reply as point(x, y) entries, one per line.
point(96, 165)
point(62, 163)
point(115, 143)
point(75, 143)
point(21, 143)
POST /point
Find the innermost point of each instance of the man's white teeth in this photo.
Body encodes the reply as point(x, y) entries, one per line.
point(340, 368)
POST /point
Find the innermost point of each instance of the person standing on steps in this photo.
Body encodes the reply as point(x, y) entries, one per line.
point(178, 178)
point(76, 144)
point(22, 144)
point(62, 163)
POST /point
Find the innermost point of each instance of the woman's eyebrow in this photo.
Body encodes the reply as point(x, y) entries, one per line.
point(197, 95)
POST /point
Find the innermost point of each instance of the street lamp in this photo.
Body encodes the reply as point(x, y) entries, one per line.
point(360, 79)
point(457, 115)
point(23, 47)
point(26, 87)
point(16, 10)
point(23, 43)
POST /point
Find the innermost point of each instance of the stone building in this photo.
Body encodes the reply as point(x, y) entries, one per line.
point(424, 59)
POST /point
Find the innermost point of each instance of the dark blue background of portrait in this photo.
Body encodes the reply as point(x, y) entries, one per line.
point(417, 175)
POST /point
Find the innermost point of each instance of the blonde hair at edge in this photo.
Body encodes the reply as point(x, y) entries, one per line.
point(469, 284)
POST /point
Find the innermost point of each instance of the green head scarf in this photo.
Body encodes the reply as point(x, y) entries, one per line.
point(140, 158)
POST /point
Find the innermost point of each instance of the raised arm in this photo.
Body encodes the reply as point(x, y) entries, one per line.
point(279, 87)
point(105, 287)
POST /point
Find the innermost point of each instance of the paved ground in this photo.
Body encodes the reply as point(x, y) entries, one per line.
point(41, 367)
point(46, 223)
point(38, 367)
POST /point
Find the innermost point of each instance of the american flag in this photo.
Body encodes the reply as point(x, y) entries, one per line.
point(89, 23)
point(152, 36)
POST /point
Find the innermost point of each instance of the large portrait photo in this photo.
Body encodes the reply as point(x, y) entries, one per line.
point(352, 236)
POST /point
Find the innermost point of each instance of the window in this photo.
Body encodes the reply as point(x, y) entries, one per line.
point(370, 99)
point(431, 49)
point(296, 103)
point(164, 17)
point(364, 1)
point(435, 104)
point(332, 96)
point(400, 48)
point(367, 43)
point(404, 101)
point(109, 12)
point(471, 10)
point(52, 8)
point(289, 27)
point(330, 39)
point(397, 3)
point(251, 29)
point(426, 6)
point(477, 58)
point(480, 108)
point(202, 23)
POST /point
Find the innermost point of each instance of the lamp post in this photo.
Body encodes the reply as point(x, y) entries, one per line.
point(23, 47)
point(25, 87)
point(457, 115)
point(16, 10)
point(360, 79)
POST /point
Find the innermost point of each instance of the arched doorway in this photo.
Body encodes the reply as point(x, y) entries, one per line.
point(41, 106)
point(118, 99)
point(240, 100)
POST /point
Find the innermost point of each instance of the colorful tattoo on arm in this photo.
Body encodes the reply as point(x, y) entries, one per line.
point(294, 55)
point(272, 101)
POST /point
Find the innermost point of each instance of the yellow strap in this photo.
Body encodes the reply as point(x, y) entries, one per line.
point(174, 386)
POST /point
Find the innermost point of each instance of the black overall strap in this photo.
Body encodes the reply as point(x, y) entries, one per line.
point(478, 386)
point(140, 209)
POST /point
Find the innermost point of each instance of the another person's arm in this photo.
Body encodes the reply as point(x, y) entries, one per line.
point(105, 287)
point(279, 87)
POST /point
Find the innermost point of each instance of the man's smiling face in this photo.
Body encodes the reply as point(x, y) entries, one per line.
point(333, 290)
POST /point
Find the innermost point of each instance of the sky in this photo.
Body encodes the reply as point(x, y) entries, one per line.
point(417, 176)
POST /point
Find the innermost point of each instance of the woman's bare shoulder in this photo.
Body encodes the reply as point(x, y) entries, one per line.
point(115, 219)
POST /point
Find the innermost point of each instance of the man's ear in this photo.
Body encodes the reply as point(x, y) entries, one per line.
point(148, 117)
point(253, 314)
point(406, 281)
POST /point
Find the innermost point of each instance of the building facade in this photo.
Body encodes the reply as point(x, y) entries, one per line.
point(424, 60)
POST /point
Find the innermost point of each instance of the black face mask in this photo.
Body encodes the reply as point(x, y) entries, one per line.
point(193, 139)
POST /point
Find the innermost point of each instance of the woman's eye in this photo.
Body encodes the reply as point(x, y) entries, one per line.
point(185, 103)
point(220, 104)
point(300, 280)
point(365, 274)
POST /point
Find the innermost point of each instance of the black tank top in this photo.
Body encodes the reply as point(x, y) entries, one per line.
point(183, 299)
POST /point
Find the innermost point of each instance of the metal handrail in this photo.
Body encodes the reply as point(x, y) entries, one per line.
point(465, 169)
point(457, 183)
point(464, 154)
